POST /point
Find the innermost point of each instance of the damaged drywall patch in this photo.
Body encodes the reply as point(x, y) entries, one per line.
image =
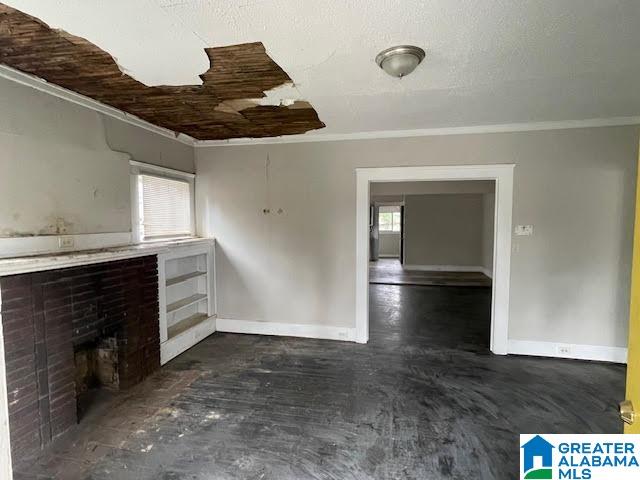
point(230, 103)
point(236, 106)
point(285, 95)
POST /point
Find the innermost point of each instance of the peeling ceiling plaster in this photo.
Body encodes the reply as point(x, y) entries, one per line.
point(147, 43)
point(225, 106)
point(488, 62)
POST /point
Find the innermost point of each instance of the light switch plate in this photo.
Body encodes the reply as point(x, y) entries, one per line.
point(524, 230)
point(65, 242)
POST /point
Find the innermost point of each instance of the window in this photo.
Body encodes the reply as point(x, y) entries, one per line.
point(389, 219)
point(163, 203)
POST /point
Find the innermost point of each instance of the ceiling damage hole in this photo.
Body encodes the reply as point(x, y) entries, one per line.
point(230, 103)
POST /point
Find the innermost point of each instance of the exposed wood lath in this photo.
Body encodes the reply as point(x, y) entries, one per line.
point(217, 109)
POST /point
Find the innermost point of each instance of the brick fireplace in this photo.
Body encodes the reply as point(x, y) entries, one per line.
point(59, 322)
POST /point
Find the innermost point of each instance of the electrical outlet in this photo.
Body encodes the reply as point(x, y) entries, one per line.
point(65, 242)
point(564, 350)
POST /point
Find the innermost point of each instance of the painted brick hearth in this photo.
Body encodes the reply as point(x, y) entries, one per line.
point(47, 315)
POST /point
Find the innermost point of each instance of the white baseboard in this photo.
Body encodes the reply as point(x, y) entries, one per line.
point(19, 246)
point(487, 272)
point(285, 329)
point(444, 268)
point(568, 350)
point(388, 256)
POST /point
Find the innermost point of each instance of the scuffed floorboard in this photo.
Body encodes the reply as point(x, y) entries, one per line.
point(424, 399)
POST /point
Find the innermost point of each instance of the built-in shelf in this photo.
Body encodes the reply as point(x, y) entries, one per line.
point(184, 278)
point(185, 302)
point(186, 298)
point(185, 324)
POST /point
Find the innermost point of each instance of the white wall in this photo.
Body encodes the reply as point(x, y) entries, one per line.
point(488, 225)
point(58, 173)
point(569, 281)
point(443, 230)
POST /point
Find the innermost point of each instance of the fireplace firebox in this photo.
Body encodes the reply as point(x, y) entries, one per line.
point(68, 331)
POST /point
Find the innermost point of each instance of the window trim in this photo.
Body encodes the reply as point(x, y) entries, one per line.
point(139, 168)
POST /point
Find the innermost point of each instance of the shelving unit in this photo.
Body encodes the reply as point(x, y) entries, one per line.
point(183, 278)
point(186, 297)
point(186, 302)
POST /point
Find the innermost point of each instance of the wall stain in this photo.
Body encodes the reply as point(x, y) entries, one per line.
point(9, 232)
point(55, 225)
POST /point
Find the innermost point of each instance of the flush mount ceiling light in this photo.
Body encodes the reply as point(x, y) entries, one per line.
point(400, 61)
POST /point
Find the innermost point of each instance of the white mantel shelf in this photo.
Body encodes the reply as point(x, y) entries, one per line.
point(54, 261)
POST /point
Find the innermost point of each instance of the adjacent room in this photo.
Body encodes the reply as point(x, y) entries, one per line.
point(432, 233)
point(316, 240)
point(431, 248)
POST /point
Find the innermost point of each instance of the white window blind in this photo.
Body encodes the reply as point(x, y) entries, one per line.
point(165, 207)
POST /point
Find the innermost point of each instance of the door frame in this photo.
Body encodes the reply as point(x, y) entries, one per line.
point(502, 174)
point(402, 234)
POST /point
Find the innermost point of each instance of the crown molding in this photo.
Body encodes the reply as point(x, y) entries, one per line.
point(42, 85)
point(426, 132)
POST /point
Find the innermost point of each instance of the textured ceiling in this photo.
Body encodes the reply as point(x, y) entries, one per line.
point(488, 62)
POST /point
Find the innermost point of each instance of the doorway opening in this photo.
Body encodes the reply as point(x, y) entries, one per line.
point(386, 238)
point(431, 261)
point(501, 177)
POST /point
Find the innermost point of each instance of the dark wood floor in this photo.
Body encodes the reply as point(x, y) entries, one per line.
point(389, 271)
point(424, 399)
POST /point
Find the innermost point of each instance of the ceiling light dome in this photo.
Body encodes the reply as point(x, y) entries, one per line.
point(400, 61)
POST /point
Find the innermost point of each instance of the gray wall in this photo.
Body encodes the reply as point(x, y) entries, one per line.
point(569, 281)
point(389, 245)
point(450, 250)
point(58, 172)
point(148, 147)
point(443, 230)
point(386, 189)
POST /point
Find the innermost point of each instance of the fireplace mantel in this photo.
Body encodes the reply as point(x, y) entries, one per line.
point(54, 261)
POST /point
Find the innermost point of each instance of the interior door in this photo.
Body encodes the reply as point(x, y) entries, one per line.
point(632, 420)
